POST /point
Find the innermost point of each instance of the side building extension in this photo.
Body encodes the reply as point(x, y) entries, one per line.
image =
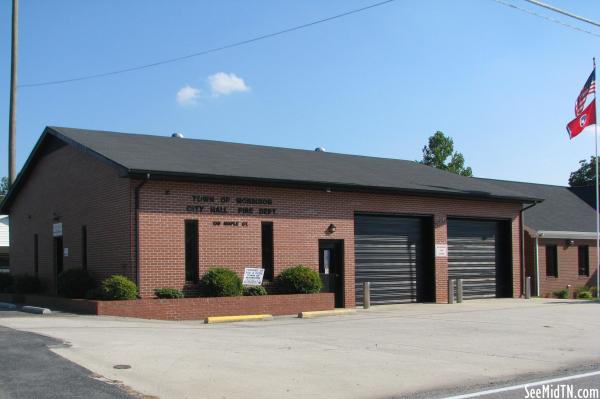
point(163, 210)
point(560, 238)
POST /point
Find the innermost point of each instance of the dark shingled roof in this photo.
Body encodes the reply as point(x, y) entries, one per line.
point(168, 157)
point(562, 210)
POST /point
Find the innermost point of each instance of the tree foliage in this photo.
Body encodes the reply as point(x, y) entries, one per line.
point(585, 175)
point(3, 187)
point(440, 154)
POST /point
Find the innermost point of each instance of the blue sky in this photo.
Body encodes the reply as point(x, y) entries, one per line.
point(500, 82)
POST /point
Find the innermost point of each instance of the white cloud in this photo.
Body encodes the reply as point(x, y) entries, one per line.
point(188, 95)
point(226, 83)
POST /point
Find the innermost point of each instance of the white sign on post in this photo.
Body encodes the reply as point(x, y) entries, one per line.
point(57, 230)
point(441, 250)
point(253, 275)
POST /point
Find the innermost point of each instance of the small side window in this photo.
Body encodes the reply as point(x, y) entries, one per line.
point(584, 260)
point(551, 261)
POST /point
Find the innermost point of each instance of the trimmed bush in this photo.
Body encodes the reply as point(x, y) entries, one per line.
point(562, 294)
point(118, 288)
point(221, 282)
point(299, 280)
point(255, 290)
point(74, 283)
point(6, 282)
point(584, 295)
point(168, 293)
point(26, 284)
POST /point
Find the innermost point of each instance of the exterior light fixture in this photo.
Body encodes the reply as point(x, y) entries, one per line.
point(331, 228)
point(570, 243)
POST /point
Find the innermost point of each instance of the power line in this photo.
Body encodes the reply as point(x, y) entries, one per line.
point(208, 51)
point(563, 12)
point(556, 21)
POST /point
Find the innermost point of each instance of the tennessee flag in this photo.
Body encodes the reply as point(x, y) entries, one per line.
point(586, 118)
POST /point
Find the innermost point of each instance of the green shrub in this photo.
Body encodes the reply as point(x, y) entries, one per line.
point(6, 282)
point(26, 284)
point(584, 295)
point(562, 294)
point(118, 288)
point(74, 283)
point(168, 293)
point(221, 282)
point(299, 280)
point(255, 290)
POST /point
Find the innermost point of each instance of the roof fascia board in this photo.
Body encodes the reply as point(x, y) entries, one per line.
point(20, 176)
point(582, 235)
point(123, 171)
point(160, 175)
point(49, 131)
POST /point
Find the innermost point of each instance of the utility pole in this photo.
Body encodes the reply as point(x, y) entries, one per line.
point(12, 117)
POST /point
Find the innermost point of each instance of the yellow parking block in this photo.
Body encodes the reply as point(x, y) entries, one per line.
point(231, 319)
point(320, 313)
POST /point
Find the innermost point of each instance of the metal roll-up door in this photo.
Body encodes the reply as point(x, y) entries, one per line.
point(473, 255)
point(388, 254)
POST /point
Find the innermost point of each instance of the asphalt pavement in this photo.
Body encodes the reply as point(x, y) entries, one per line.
point(477, 349)
point(570, 383)
point(29, 370)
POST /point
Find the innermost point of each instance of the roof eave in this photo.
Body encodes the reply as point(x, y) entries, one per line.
point(50, 131)
point(581, 235)
point(346, 187)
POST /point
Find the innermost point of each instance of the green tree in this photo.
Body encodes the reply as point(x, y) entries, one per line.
point(440, 154)
point(585, 175)
point(3, 187)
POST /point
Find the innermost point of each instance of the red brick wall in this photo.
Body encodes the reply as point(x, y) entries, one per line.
point(301, 219)
point(183, 309)
point(82, 190)
point(568, 266)
point(79, 190)
point(200, 308)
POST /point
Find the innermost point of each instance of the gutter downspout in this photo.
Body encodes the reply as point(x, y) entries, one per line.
point(523, 278)
point(537, 268)
point(137, 228)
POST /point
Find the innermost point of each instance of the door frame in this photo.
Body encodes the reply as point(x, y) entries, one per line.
point(340, 283)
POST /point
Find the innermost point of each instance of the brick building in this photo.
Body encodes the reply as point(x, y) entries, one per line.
point(560, 237)
point(162, 210)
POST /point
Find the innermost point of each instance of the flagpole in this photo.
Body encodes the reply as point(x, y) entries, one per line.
point(597, 199)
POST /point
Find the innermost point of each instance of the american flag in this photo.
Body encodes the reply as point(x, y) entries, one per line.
point(588, 88)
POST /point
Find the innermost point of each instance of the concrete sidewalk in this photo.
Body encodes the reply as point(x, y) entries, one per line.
point(383, 352)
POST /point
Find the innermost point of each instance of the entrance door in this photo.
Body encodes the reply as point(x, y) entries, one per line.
point(331, 268)
point(58, 256)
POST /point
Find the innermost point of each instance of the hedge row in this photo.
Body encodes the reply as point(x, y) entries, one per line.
point(217, 282)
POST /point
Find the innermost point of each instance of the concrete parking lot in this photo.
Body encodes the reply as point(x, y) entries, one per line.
point(394, 351)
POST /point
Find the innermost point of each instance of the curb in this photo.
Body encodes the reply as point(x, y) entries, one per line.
point(36, 310)
point(6, 305)
point(231, 319)
point(322, 313)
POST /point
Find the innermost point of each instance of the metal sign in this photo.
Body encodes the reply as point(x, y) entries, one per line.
point(441, 250)
point(253, 276)
point(57, 230)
